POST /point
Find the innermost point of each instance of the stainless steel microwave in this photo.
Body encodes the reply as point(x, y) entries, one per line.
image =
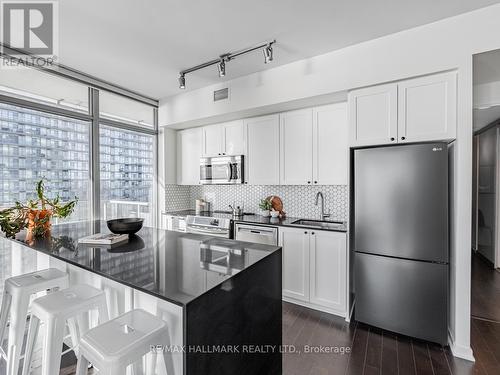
point(221, 170)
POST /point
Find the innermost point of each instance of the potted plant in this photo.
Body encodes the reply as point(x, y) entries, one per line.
point(265, 206)
point(35, 215)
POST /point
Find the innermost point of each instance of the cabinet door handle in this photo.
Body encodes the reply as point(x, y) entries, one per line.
point(305, 232)
point(312, 233)
point(308, 182)
point(392, 139)
point(403, 138)
point(315, 182)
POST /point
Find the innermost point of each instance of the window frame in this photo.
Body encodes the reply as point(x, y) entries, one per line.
point(94, 147)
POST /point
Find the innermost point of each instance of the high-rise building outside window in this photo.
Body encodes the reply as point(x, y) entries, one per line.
point(126, 174)
point(36, 145)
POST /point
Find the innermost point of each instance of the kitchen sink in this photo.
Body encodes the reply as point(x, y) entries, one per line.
point(329, 225)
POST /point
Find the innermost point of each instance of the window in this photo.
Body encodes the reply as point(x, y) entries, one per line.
point(126, 174)
point(36, 144)
point(46, 124)
point(119, 108)
point(40, 87)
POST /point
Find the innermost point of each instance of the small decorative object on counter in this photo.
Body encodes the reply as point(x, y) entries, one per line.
point(35, 215)
point(236, 210)
point(265, 206)
point(277, 205)
point(200, 206)
point(128, 225)
point(275, 214)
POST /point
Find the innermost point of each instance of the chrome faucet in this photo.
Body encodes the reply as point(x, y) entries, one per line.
point(323, 215)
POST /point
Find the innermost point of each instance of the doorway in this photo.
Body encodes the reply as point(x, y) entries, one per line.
point(485, 258)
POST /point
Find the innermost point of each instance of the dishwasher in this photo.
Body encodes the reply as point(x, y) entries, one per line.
point(256, 234)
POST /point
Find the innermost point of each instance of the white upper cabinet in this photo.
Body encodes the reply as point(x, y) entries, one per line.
point(212, 140)
point(374, 115)
point(296, 147)
point(303, 147)
point(427, 108)
point(224, 139)
point(414, 110)
point(234, 139)
point(328, 270)
point(188, 156)
point(330, 145)
point(262, 157)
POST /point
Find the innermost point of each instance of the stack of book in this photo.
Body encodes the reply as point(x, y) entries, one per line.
point(104, 239)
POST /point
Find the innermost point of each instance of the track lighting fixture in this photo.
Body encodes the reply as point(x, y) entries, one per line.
point(223, 59)
point(221, 66)
point(268, 53)
point(182, 81)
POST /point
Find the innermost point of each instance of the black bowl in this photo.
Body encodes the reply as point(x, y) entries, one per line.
point(125, 226)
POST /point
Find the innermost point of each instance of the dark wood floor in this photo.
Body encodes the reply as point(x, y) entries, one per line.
point(372, 351)
point(485, 301)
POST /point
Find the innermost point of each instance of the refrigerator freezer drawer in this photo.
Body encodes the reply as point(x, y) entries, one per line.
point(403, 296)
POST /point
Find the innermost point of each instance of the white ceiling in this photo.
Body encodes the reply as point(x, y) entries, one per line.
point(142, 45)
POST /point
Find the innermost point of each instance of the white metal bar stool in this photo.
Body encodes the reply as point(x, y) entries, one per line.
point(123, 341)
point(15, 303)
point(54, 310)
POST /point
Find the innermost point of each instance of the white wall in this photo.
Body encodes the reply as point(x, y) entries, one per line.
point(443, 45)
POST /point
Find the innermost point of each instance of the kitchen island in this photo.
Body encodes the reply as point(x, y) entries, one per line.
point(221, 298)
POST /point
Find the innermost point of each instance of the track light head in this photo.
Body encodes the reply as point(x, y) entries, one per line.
point(221, 66)
point(182, 81)
point(268, 53)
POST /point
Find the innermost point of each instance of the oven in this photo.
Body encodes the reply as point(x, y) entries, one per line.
point(210, 226)
point(222, 170)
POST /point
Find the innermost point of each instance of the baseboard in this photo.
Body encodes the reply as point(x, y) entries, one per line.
point(460, 351)
point(314, 307)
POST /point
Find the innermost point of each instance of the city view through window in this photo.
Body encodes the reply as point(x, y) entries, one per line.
point(36, 145)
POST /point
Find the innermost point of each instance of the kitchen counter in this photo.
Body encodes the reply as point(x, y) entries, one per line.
point(177, 256)
point(254, 219)
point(211, 291)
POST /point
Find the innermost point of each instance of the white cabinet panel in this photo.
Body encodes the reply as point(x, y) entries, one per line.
point(262, 158)
point(330, 145)
point(296, 147)
point(188, 156)
point(295, 243)
point(212, 140)
point(373, 115)
point(328, 270)
point(427, 108)
point(233, 138)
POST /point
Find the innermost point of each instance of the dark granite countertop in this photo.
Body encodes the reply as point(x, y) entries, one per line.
point(254, 219)
point(177, 267)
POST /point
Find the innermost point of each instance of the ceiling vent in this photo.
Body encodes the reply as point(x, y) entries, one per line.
point(221, 94)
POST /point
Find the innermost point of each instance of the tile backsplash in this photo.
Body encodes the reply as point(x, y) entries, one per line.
point(298, 201)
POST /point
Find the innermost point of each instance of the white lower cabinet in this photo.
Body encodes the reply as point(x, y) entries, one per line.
point(315, 269)
point(295, 252)
point(327, 265)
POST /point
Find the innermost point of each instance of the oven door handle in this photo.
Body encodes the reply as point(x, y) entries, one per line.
point(207, 231)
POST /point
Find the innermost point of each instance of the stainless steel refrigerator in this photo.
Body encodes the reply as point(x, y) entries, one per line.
point(401, 239)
